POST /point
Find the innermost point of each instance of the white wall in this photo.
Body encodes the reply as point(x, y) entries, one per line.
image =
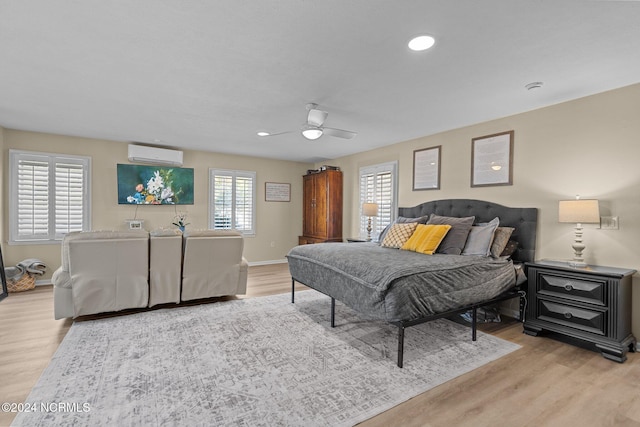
point(590, 146)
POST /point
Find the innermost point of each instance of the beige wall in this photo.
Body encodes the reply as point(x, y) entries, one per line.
point(278, 223)
point(589, 147)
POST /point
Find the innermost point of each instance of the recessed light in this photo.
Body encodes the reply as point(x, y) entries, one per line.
point(263, 133)
point(421, 43)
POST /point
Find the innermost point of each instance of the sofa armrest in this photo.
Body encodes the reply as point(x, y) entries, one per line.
point(61, 278)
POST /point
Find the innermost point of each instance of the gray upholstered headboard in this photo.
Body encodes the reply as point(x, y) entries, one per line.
point(524, 220)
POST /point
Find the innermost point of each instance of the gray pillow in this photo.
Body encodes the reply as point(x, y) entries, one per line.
point(511, 247)
point(401, 220)
point(419, 220)
point(454, 241)
point(500, 240)
point(480, 238)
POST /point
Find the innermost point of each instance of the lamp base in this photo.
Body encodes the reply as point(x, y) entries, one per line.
point(577, 264)
point(578, 248)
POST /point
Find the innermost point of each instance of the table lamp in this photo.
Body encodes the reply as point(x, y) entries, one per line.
point(369, 210)
point(578, 211)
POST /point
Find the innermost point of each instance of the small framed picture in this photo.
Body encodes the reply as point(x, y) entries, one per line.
point(277, 192)
point(426, 168)
point(492, 160)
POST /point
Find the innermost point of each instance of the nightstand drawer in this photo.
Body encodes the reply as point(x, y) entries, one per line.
point(566, 315)
point(586, 290)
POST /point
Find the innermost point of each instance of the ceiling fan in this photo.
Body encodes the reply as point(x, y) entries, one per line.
point(314, 129)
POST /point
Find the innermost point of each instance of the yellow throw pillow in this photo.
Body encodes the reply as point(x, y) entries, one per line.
point(426, 238)
point(398, 234)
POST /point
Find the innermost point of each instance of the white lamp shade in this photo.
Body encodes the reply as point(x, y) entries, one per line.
point(370, 209)
point(579, 211)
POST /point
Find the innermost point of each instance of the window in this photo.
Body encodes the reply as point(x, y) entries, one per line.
point(378, 185)
point(49, 196)
point(232, 200)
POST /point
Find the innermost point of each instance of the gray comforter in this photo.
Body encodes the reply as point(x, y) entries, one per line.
point(394, 285)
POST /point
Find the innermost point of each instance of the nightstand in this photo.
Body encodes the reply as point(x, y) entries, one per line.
point(592, 304)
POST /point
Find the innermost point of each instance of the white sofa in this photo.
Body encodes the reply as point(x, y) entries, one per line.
point(165, 267)
point(101, 271)
point(105, 271)
point(213, 264)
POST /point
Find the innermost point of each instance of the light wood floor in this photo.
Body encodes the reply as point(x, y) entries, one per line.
point(545, 383)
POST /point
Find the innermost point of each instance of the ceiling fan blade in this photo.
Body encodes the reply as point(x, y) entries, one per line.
point(346, 134)
point(316, 117)
point(278, 133)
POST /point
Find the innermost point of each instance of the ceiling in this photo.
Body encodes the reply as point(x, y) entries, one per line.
point(208, 75)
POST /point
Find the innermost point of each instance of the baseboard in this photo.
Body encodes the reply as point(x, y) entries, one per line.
point(44, 282)
point(273, 261)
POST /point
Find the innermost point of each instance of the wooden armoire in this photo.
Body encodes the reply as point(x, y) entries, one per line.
point(322, 207)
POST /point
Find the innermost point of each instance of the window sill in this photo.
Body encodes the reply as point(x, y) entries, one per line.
point(34, 242)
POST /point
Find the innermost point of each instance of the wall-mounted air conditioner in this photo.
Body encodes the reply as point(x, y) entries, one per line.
point(154, 155)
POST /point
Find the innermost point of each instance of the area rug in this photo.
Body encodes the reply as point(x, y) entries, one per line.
point(249, 362)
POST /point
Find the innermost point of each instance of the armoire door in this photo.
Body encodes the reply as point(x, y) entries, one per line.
point(308, 219)
point(321, 197)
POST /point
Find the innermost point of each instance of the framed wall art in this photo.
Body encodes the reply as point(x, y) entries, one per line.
point(492, 160)
point(277, 192)
point(426, 168)
point(154, 185)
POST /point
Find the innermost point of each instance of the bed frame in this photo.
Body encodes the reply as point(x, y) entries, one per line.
point(524, 220)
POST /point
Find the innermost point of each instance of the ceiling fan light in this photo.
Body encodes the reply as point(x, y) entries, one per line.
point(312, 133)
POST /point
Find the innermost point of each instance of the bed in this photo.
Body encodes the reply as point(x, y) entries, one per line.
point(406, 288)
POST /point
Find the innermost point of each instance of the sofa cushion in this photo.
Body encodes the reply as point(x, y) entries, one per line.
point(211, 233)
point(96, 235)
point(165, 232)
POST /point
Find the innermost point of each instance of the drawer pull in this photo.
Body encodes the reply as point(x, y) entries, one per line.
point(568, 287)
point(568, 315)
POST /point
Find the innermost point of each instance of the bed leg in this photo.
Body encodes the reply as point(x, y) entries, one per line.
point(293, 290)
point(333, 312)
point(400, 345)
point(474, 323)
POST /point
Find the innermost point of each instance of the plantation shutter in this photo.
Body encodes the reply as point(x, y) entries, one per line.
point(33, 198)
point(377, 185)
point(69, 193)
point(244, 204)
point(233, 195)
point(223, 201)
point(49, 195)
